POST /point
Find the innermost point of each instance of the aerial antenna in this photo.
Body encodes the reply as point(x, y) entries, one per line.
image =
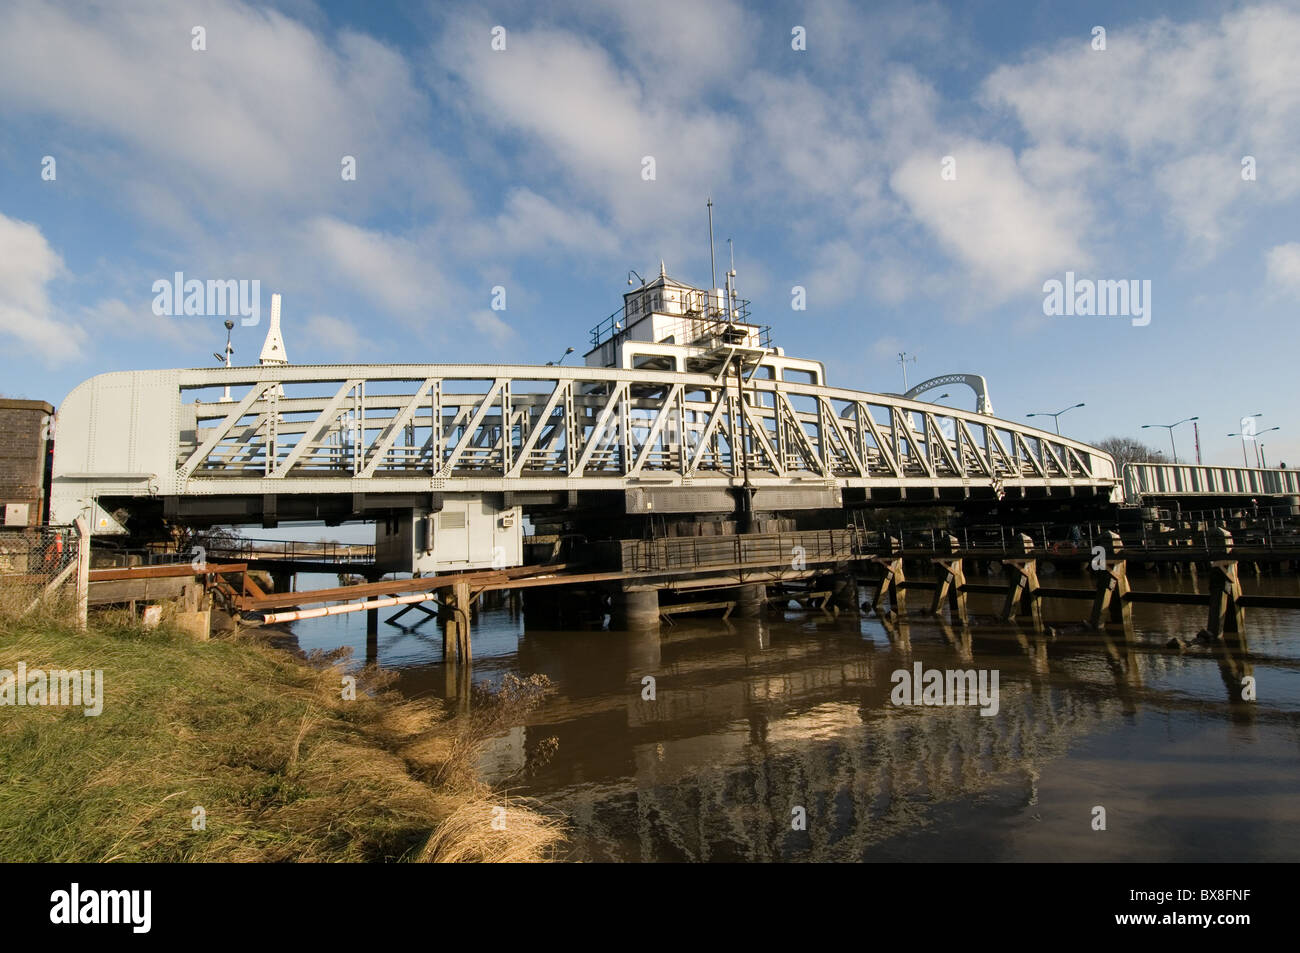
point(903, 358)
point(731, 288)
point(713, 268)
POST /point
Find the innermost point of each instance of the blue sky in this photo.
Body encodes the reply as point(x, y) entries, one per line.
point(523, 168)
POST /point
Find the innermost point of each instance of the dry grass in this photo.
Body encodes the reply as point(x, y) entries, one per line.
point(283, 767)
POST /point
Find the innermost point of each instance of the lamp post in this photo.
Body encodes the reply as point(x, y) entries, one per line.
point(1056, 417)
point(1170, 428)
point(230, 326)
point(1259, 447)
point(1243, 434)
point(1244, 461)
point(567, 352)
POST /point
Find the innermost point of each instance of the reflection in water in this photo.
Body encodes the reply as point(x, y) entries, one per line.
point(754, 719)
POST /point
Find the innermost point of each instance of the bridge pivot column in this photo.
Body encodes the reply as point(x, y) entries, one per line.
point(750, 600)
point(636, 609)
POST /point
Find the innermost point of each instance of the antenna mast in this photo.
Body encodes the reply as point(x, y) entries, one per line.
point(903, 358)
point(713, 268)
point(731, 274)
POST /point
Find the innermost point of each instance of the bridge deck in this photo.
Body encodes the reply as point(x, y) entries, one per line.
point(390, 429)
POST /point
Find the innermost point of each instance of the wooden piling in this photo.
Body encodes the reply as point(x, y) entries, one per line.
point(1226, 612)
point(891, 585)
point(951, 584)
point(461, 615)
point(1111, 578)
point(1023, 593)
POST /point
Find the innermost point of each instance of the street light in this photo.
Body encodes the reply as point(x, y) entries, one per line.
point(1056, 417)
point(561, 360)
point(1170, 428)
point(1259, 447)
point(1243, 435)
point(230, 326)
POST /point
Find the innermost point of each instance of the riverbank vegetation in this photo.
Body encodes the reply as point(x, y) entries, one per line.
point(237, 750)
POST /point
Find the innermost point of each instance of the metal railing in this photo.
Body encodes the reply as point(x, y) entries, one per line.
point(1160, 479)
point(752, 549)
point(705, 321)
point(291, 550)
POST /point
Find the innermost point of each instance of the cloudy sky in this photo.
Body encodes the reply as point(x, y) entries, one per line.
point(524, 168)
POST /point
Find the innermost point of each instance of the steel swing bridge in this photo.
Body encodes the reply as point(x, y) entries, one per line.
point(656, 416)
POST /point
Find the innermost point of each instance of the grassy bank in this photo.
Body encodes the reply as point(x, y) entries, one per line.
point(282, 766)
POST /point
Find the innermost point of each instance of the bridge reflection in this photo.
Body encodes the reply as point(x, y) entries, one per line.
point(749, 722)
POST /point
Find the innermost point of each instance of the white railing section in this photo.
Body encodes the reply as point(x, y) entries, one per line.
point(1159, 479)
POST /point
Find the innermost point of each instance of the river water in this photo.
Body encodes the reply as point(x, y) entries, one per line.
point(778, 739)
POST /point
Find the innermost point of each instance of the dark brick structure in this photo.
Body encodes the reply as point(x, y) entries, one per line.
point(24, 460)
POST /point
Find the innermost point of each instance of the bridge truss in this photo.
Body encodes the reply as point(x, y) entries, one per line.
point(485, 428)
point(1165, 480)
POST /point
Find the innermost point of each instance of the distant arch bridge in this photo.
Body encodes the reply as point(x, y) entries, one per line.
point(983, 405)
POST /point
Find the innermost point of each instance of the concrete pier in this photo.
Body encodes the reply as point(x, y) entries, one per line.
point(635, 609)
point(750, 600)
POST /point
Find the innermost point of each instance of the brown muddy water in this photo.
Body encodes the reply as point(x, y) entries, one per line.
point(757, 725)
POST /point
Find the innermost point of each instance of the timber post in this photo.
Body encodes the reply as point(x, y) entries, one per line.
point(1023, 589)
point(892, 583)
point(951, 582)
point(1112, 584)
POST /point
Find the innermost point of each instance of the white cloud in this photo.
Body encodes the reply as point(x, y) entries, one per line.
point(1283, 267)
point(1009, 234)
point(531, 223)
point(593, 121)
point(339, 339)
point(389, 269)
point(491, 324)
point(1172, 108)
point(680, 48)
point(115, 319)
point(27, 265)
point(263, 115)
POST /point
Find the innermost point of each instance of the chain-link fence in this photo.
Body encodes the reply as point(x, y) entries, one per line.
point(37, 559)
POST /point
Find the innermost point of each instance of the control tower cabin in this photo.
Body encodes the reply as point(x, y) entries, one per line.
point(667, 325)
